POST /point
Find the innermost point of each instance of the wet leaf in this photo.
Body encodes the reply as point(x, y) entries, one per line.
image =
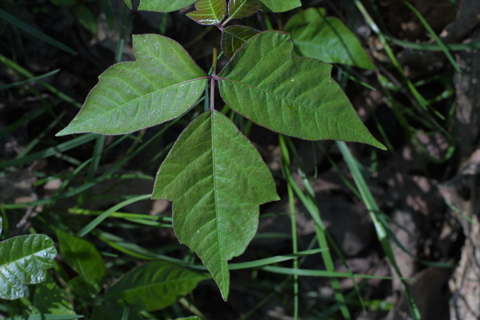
point(23, 260)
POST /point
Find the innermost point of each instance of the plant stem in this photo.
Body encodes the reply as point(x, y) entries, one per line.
point(214, 71)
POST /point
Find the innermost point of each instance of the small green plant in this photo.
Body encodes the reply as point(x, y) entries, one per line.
point(213, 174)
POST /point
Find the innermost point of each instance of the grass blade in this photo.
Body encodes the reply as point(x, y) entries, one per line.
point(34, 32)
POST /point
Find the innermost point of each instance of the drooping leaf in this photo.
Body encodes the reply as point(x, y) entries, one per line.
point(161, 5)
point(217, 180)
point(327, 39)
point(85, 260)
point(281, 5)
point(161, 85)
point(209, 11)
point(23, 260)
point(238, 9)
point(234, 37)
point(50, 299)
point(293, 96)
point(154, 285)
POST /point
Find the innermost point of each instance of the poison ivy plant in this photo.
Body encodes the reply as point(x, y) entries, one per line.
point(23, 260)
point(213, 174)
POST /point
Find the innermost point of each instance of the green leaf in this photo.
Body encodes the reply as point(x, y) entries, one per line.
point(327, 39)
point(163, 5)
point(234, 37)
point(243, 8)
point(50, 299)
point(22, 261)
point(128, 3)
point(281, 5)
point(86, 18)
point(154, 285)
point(85, 260)
point(293, 96)
point(209, 11)
point(217, 180)
point(161, 85)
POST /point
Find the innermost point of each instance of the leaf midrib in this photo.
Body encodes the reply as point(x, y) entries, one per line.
point(159, 90)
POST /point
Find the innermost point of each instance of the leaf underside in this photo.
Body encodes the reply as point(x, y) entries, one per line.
point(23, 260)
point(161, 85)
point(217, 180)
point(281, 5)
point(209, 11)
point(293, 96)
point(154, 285)
point(238, 9)
point(327, 39)
point(234, 37)
point(163, 5)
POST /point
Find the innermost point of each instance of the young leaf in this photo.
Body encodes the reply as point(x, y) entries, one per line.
point(49, 298)
point(22, 261)
point(154, 285)
point(85, 260)
point(217, 180)
point(293, 96)
point(281, 5)
point(161, 5)
point(209, 11)
point(327, 39)
point(243, 8)
point(234, 37)
point(161, 85)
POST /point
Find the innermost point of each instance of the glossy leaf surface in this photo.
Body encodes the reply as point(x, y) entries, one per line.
point(155, 285)
point(161, 5)
point(23, 260)
point(281, 5)
point(327, 39)
point(217, 180)
point(234, 37)
point(85, 260)
point(209, 11)
point(161, 85)
point(293, 96)
point(238, 9)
